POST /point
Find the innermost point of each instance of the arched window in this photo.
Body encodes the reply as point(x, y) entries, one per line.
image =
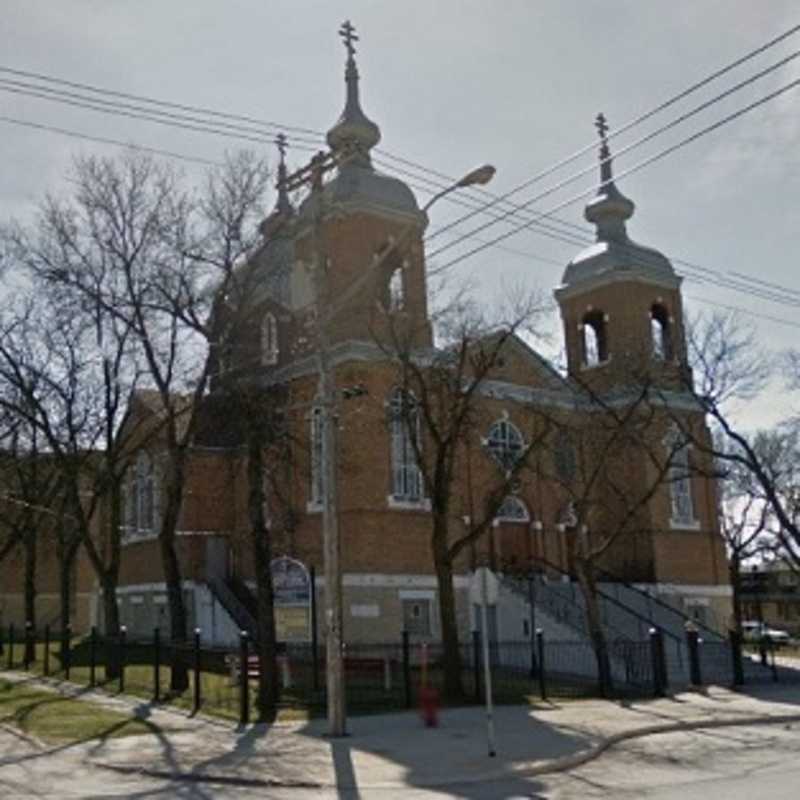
point(505, 443)
point(269, 340)
point(513, 510)
point(679, 476)
point(660, 333)
point(397, 298)
point(594, 339)
point(317, 457)
point(140, 498)
point(404, 424)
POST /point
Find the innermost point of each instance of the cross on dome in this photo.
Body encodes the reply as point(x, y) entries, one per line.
point(348, 34)
point(354, 133)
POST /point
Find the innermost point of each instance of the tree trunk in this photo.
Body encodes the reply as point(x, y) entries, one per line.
point(268, 689)
point(453, 687)
point(586, 580)
point(30, 594)
point(64, 580)
point(110, 624)
point(735, 577)
point(179, 680)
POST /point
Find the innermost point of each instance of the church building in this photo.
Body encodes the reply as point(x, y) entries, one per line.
point(351, 257)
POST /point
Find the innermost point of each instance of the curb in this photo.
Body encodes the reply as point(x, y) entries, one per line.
point(555, 765)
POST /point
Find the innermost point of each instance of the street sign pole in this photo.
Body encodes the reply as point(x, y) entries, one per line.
point(487, 670)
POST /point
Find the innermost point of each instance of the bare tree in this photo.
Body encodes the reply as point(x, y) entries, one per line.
point(440, 400)
point(134, 246)
point(745, 518)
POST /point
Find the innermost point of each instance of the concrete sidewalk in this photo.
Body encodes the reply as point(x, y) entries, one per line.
point(396, 750)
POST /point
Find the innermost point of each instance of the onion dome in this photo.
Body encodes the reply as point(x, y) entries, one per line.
point(614, 253)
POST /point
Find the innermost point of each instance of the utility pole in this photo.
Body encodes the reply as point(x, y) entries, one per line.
point(313, 174)
point(325, 311)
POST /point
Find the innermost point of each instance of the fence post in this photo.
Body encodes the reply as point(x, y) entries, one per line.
point(46, 665)
point(11, 645)
point(693, 646)
point(657, 656)
point(66, 650)
point(244, 683)
point(476, 663)
point(92, 656)
point(542, 673)
point(407, 669)
point(736, 654)
point(197, 698)
point(314, 639)
point(156, 665)
point(123, 631)
point(26, 654)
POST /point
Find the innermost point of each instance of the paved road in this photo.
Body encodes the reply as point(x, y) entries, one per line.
point(732, 764)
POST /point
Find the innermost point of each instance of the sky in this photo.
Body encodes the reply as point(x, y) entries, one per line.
point(454, 84)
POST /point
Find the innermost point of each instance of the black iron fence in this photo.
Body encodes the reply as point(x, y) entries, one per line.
point(378, 677)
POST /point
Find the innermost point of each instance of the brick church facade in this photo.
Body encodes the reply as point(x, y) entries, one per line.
point(622, 316)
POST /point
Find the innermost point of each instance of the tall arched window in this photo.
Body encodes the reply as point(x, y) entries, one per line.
point(660, 333)
point(594, 338)
point(317, 448)
point(505, 443)
point(140, 498)
point(404, 426)
point(269, 340)
point(679, 476)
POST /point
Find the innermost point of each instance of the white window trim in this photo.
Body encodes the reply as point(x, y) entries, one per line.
point(692, 523)
point(409, 463)
point(397, 504)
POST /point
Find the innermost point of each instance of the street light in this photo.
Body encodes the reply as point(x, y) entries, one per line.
point(327, 403)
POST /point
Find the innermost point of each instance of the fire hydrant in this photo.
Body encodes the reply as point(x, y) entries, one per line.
point(429, 706)
point(428, 695)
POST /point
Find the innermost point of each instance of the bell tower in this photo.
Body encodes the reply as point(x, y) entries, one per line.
point(369, 229)
point(620, 301)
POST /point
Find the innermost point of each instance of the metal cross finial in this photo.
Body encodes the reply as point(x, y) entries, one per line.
point(602, 126)
point(348, 34)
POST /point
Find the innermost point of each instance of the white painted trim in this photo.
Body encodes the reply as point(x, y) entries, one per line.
point(423, 504)
point(150, 587)
point(677, 525)
point(709, 590)
point(416, 594)
point(382, 581)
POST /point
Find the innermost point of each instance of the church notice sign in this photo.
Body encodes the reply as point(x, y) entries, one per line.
point(291, 586)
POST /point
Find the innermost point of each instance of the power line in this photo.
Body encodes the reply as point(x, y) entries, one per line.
point(721, 281)
point(637, 143)
point(180, 120)
point(104, 140)
point(153, 101)
point(171, 120)
point(635, 168)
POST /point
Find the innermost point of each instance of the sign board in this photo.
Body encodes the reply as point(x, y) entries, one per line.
point(476, 586)
point(291, 589)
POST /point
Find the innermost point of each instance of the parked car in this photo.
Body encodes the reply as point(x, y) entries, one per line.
point(754, 631)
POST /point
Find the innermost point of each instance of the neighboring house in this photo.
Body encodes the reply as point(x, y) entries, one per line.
point(623, 318)
point(771, 594)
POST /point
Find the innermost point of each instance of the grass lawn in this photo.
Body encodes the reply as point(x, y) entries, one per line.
point(58, 719)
